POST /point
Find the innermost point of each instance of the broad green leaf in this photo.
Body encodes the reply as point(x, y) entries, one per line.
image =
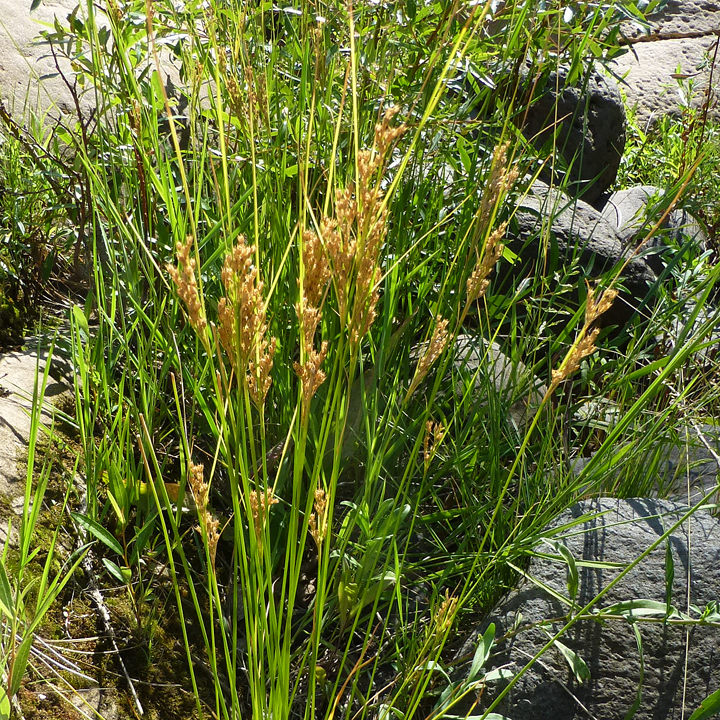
point(141, 538)
point(447, 693)
point(34, 6)
point(638, 695)
point(708, 707)
point(4, 705)
point(499, 674)
point(489, 716)
point(347, 592)
point(81, 321)
point(572, 574)
point(432, 666)
point(483, 652)
point(576, 663)
point(98, 531)
point(669, 576)
point(380, 585)
point(464, 157)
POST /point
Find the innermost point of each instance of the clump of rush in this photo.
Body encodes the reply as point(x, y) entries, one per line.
point(242, 321)
point(183, 276)
point(584, 344)
point(346, 250)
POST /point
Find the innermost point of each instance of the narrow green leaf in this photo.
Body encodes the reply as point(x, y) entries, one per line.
point(20, 663)
point(122, 575)
point(482, 653)
point(576, 663)
point(638, 608)
point(6, 596)
point(708, 707)
point(35, 5)
point(98, 531)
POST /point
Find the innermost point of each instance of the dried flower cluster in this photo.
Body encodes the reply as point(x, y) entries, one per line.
point(184, 278)
point(260, 504)
point(584, 345)
point(353, 241)
point(311, 375)
point(501, 179)
point(433, 350)
point(319, 518)
point(444, 615)
point(478, 283)
point(209, 525)
point(434, 433)
point(243, 323)
point(316, 277)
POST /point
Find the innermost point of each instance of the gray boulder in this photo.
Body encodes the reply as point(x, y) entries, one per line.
point(481, 368)
point(678, 40)
point(651, 79)
point(488, 368)
point(634, 212)
point(683, 467)
point(590, 123)
point(575, 232)
point(603, 545)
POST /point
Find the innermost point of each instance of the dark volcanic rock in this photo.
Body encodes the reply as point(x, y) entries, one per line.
point(591, 130)
point(636, 210)
point(577, 232)
point(549, 690)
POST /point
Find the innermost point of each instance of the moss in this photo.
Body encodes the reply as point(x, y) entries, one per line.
point(11, 322)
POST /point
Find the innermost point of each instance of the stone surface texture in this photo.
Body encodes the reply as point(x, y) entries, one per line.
point(682, 40)
point(483, 365)
point(549, 690)
point(591, 134)
point(24, 60)
point(575, 230)
point(17, 381)
point(635, 211)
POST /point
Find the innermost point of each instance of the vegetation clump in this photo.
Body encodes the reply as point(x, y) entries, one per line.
point(293, 497)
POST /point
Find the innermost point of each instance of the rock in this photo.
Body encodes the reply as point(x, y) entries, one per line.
point(609, 648)
point(676, 463)
point(649, 77)
point(17, 379)
point(487, 366)
point(591, 137)
point(577, 232)
point(680, 17)
point(24, 61)
point(635, 211)
point(627, 209)
point(680, 37)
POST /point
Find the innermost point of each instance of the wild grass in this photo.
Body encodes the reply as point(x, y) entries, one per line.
point(285, 243)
